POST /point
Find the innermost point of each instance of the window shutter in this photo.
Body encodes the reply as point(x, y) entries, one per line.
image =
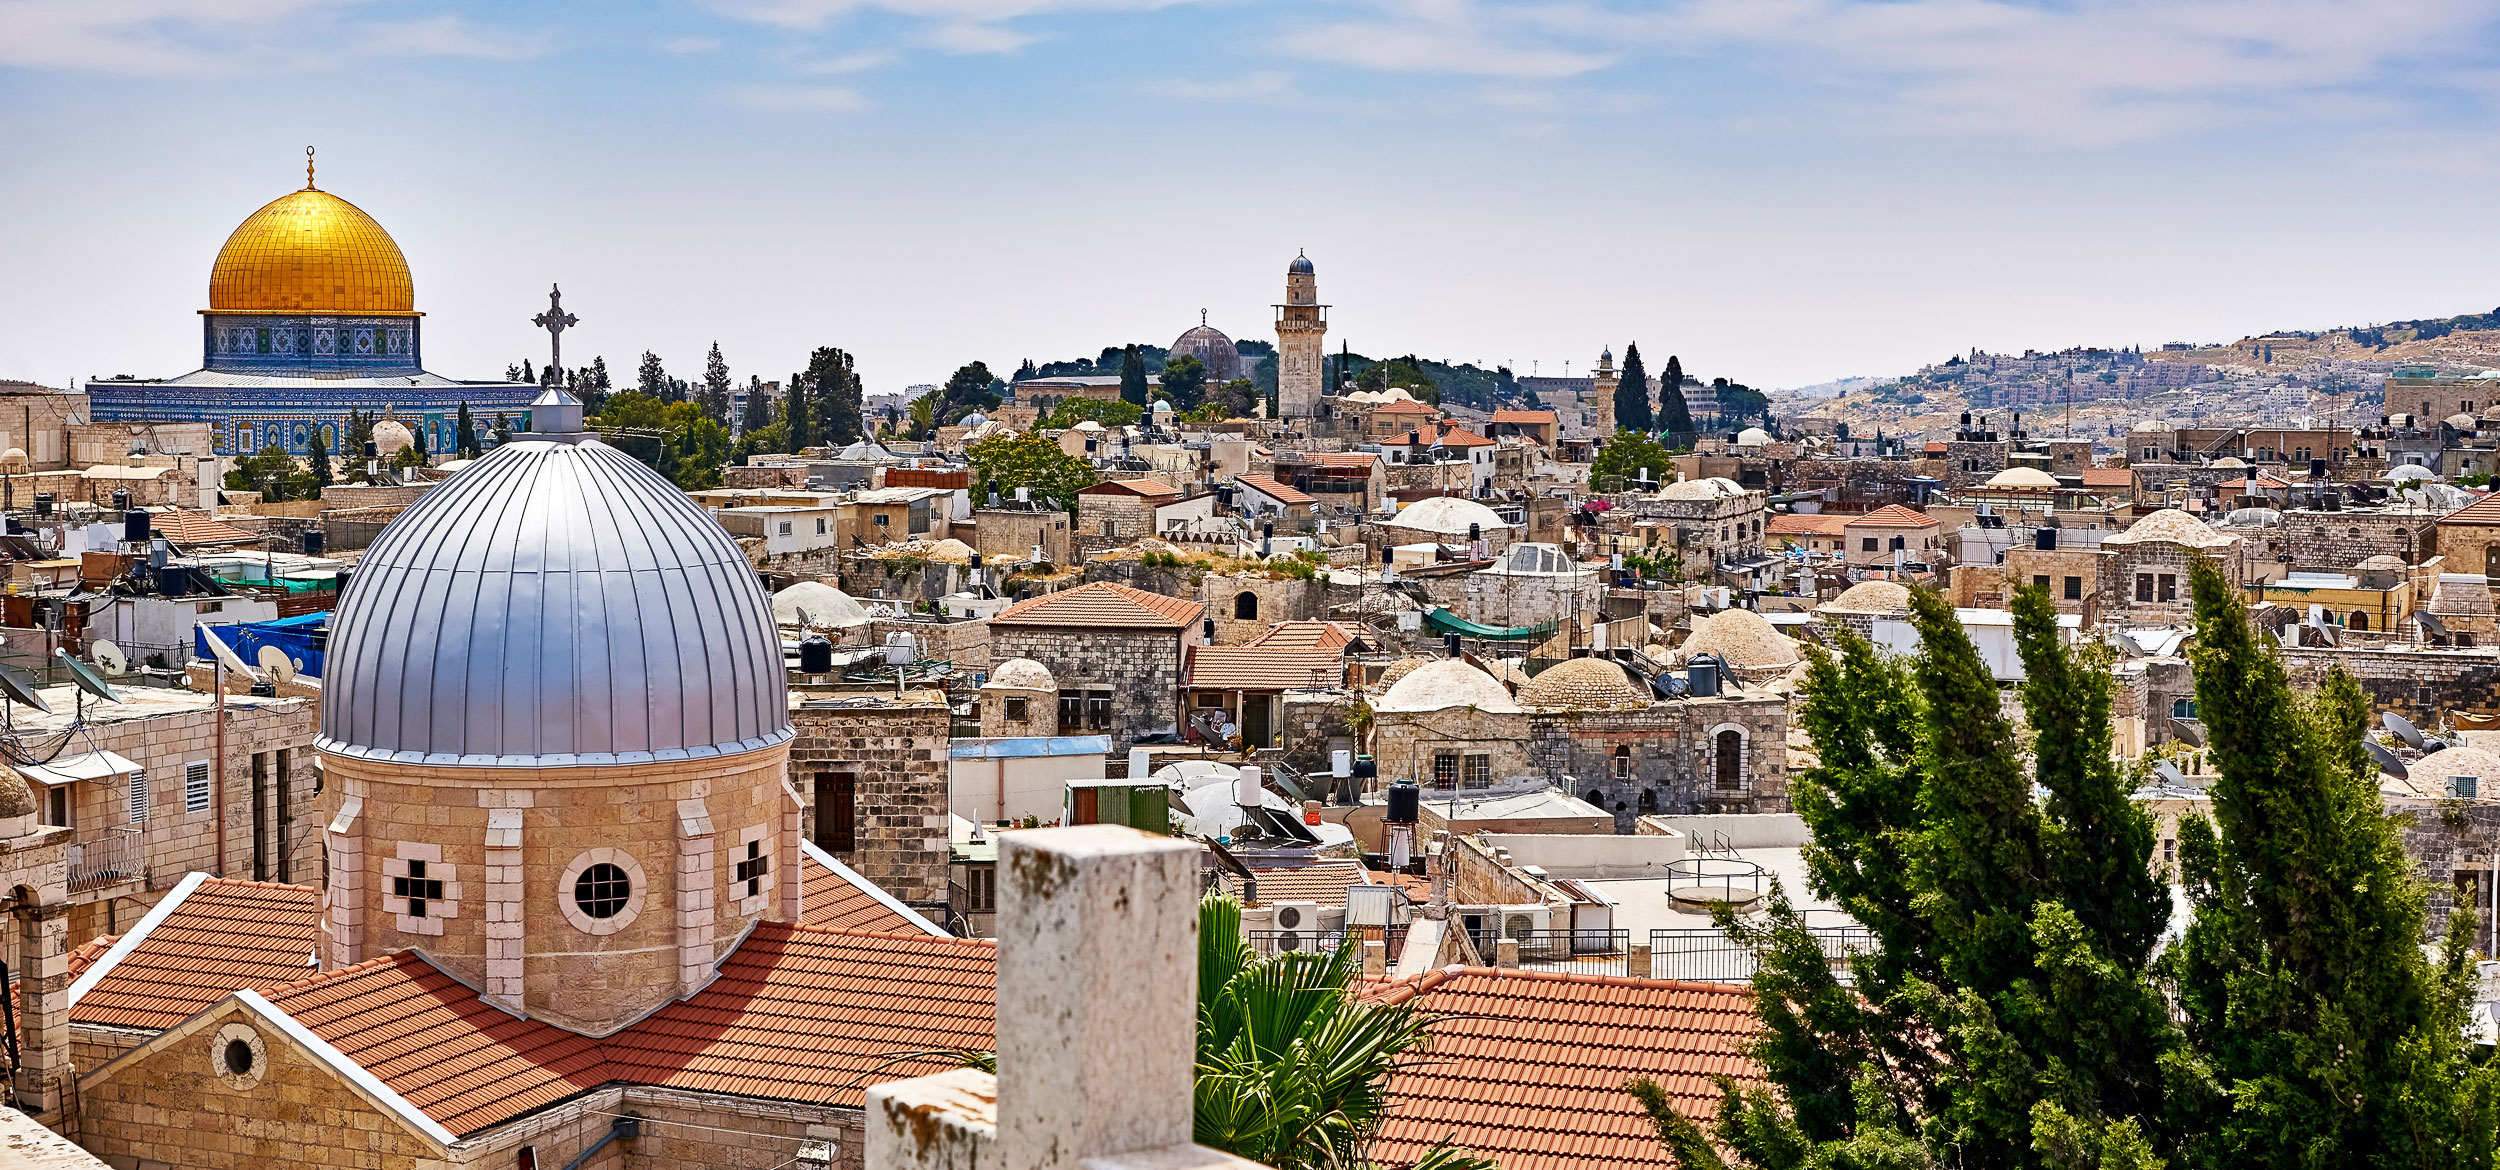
point(138, 796)
point(195, 792)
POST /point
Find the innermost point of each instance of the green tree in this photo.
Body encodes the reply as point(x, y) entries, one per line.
point(652, 379)
point(1632, 393)
point(359, 433)
point(716, 386)
point(465, 434)
point(1674, 417)
point(1133, 378)
point(317, 460)
point(1072, 411)
point(798, 414)
point(835, 386)
point(759, 412)
point(594, 389)
point(273, 473)
point(1034, 461)
point(1184, 382)
point(1238, 398)
point(968, 389)
point(2332, 1039)
point(1625, 456)
point(698, 444)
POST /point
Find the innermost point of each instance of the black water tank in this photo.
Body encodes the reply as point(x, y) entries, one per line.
point(342, 589)
point(314, 542)
point(1365, 767)
point(2317, 469)
point(173, 581)
point(1450, 645)
point(135, 526)
point(2044, 538)
point(121, 501)
point(815, 656)
point(1405, 803)
point(1702, 676)
point(43, 503)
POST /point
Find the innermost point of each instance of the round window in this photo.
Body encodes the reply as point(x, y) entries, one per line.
point(603, 890)
point(239, 1058)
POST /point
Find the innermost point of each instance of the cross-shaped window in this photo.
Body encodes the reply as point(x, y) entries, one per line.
point(751, 868)
point(417, 888)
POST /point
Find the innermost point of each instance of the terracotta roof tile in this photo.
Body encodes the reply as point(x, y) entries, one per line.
point(1893, 516)
point(1102, 603)
point(832, 901)
point(1263, 668)
point(2485, 511)
point(183, 527)
point(2108, 477)
point(1805, 524)
point(222, 937)
point(1525, 416)
point(1528, 1066)
point(1311, 635)
point(1345, 458)
point(1131, 487)
point(1267, 485)
point(796, 1013)
point(1323, 882)
point(1406, 406)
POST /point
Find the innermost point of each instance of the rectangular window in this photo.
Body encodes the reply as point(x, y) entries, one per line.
point(882, 520)
point(58, 808)
point(980, 890)
point(195, 786)
point(837, 794)
point(1445, 769)
point(1868, 544)
point(1016, 710)
point(820, 526)
point(139, 797)
point(417, 888)
point(751, 868)
point(2144, 587)
point(1479, 771)
point(1098, 712)
point(785, 528)
point(260, 817)
point(2074, 588)
point(2169, 587)
point(1071, 711)
point(2040, 580)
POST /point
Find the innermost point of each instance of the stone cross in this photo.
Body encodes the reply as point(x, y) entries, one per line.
point(555, 321)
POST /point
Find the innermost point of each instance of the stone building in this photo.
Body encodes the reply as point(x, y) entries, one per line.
point(872, 771)
point(1116, 653)
point(2343, 537)
point(1117, 512)
point(1013, 531)
point(1707, 522)
point(1634, 754)
point(1448, 725)
point(1859, 606)
point(1872, 540)
point(1301, 343)
point(1244, 607)
point(1020, 698)
point(2468, 539)
point(2147, 579)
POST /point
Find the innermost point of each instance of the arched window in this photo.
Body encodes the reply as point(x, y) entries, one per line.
point(1595, 797)
point(1246, 606)
point(1730, 745)
point(2360, 620)
point(1623, 762)
point(1649, 800)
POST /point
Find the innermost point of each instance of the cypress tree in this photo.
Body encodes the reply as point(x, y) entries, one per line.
point(1673, 416)
point(1133, 378)
point(466, 441)
point(317, 456)
point(2333, 1039)
point(716, 386)
point(759, 412)
point(837, 395)
point(799, 413)
point(652, 379)
point(1632, 394)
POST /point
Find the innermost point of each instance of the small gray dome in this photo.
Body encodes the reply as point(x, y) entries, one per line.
point(556, 604)
point(1209, 345)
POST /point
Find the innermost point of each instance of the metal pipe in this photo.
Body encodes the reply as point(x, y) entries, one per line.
point(627, 1127)
point(220, 773)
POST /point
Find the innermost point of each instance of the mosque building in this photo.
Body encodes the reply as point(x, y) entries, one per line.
point(311, 313)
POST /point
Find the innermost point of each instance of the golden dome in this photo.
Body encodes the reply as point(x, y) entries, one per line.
point(310, 252)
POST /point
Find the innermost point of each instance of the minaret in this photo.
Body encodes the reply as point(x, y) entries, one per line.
point(1602, 412)
point(1301, 342)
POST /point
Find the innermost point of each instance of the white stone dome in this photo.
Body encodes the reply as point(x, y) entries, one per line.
point(1871, 597)
point(2022, 477)
point(1021, 674)
point(1448, 682)
point(1583, 684)
point(391, 436)
point(826, 607)
point(1446, 516)
point(1741, 638)
point(1753, 437)
point(1715, 487)
point(555, 605)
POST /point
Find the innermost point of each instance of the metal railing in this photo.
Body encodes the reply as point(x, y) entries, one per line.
point(1715, 879)
point(1581, 952)
point(107, 861)
point(1275, 942)
point(1708, 955)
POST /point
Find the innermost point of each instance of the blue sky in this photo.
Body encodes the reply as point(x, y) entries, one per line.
point(1779, 191)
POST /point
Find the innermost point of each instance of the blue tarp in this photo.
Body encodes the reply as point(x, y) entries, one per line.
point(303, 639)
point(1021, 746)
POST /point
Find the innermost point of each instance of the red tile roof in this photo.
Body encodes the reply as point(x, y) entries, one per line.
point(833, 897)
point(1323, 882)
point(1345, 458)
point(1525, 416)
point(1263, 668)
point(215, 937)
point(1460, 437)
point(1131, 487)
point(796, 1014)
point(1312, 635)
point(2485, 511)
point(1404, 406)
point(1528, 1066)
point(1894, 516)
point(183, 527)
point(2108, 477)
point(1805, 524)
point(1267, 485)
point(1102, 603)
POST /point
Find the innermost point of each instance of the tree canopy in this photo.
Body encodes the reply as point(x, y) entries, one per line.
point(1625, 456)
point(1034, 461)
point(1674, 417)
point(1632, 393)
point(1184, 382)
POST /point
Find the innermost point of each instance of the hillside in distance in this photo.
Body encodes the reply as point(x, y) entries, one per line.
point(2455, 344)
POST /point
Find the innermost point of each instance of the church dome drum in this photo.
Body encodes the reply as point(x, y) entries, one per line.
point(555, 604)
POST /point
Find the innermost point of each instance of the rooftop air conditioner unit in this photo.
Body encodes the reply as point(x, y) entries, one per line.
point(1297, 917)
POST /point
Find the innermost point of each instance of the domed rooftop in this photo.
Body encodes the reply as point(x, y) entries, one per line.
point(1583, 684)
point(1209, 345)
point(1444, 683)
point(1021, 674)
point(2172, 525)
point(2232, 462)
point(1753, 437)
point(2149, 425)
point(1301, 266)
point(2022, 477)
point(1872, 597)
point(1446, 516)
point(1399, 670)
point(1712, 488)
point(391, 436)
point(554, 605)
point(310, 251)
point(1741, 638)
point(824, 607)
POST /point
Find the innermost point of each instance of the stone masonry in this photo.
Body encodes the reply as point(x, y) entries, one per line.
point(895, 753)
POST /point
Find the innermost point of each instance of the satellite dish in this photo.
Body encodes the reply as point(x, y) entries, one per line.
point(804, 624)
point(2431, 622)
point(2387, 761)
point(2404, 730)
point(2187, 732)
point(2317, 621)
point(226, 656)
point(2171, 775)
point(21, 689)
point(279, 666)
point(109, 658)
point(85, 678)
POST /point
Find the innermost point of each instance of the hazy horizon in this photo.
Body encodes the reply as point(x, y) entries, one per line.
point(1782, 192)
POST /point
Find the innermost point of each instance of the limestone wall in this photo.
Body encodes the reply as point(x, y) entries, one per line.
point(896, 755)
point(1672, 753)
point(1141, 669)
point(2419, 684)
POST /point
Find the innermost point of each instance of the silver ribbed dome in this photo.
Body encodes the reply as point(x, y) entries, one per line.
point(554, 604)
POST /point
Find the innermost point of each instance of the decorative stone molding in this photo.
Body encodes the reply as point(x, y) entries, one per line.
point(581, 918)
point(751, 871)
point(418, 889)
point(238, 1056)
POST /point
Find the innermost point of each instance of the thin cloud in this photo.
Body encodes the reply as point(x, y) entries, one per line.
point(1262, 84)
point(859, 62)
point(796, 98)
point(223, 37)
point(690, 46)
point(449, 36)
